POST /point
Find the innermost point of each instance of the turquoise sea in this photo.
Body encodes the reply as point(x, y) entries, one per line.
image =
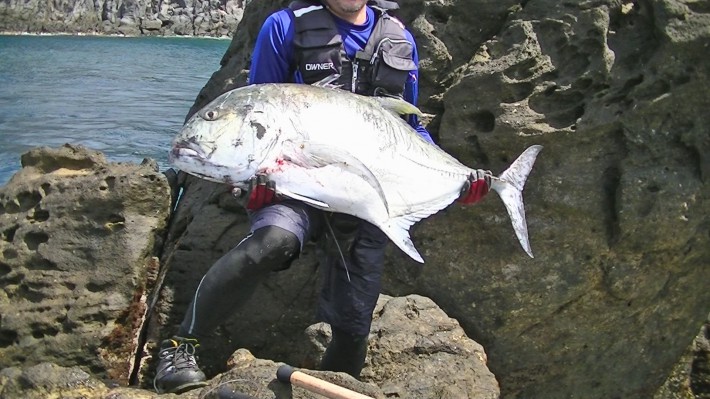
point(126, 97)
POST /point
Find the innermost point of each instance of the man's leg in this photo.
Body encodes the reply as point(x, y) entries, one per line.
point(345, 353)
point(228, 284)
point(349, 297)
point(277, 235)
point(232, 280)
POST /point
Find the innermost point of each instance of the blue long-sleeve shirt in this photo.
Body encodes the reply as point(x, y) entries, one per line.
point(274, 51)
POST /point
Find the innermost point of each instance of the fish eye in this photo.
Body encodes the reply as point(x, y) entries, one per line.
point(210, 115)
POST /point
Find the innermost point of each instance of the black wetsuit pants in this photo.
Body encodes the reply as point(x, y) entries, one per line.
point(348, 296)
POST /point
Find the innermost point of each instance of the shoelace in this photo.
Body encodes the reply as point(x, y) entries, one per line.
point(184, 356)
point(181, 357)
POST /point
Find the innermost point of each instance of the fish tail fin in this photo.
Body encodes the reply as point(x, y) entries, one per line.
point(509, 186)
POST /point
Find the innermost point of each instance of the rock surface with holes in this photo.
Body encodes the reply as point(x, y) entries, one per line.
point(416, 351)
point(78, 239)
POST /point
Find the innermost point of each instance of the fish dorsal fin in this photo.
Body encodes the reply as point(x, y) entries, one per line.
point(310, 155)
point(327, 82)
point(393, 104)
point(398, 106)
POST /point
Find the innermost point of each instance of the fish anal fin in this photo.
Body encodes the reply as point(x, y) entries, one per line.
point(397, 229)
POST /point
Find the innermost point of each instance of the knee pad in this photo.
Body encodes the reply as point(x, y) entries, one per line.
point(272, 247)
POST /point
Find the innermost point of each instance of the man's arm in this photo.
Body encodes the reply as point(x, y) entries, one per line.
point(478, 183)
point(270, 63)
point(411, 92)
point(273, 51)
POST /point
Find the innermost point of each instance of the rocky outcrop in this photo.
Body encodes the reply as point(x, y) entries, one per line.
point(80, 242)
point(690, 378)
point(416, 351)
point(119, 17)
point(700, 364)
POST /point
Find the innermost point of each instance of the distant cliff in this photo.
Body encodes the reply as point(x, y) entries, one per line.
point(215, 18)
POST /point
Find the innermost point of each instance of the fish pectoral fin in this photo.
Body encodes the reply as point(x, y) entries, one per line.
point(313, 155)
point(398, 106)
point(308, 200)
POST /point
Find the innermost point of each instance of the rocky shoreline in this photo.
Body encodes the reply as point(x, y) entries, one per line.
point(90, 34)
point(123, 18)
point(617, 208)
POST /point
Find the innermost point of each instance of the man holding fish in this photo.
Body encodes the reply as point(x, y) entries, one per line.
point(368, 52)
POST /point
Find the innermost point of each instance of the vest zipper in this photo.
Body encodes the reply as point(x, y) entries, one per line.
point(353, 81)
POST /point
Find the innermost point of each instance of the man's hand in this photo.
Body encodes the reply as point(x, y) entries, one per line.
point(476, 187)
point(256, 193)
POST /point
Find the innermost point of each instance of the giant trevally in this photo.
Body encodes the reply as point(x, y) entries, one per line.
point(337, 151)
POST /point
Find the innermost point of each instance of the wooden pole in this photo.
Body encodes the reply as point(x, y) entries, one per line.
point(287, 374)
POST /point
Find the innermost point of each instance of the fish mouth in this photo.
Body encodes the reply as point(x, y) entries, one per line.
point(186, 149)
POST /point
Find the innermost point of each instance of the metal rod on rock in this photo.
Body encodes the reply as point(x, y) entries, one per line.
point(287, 374)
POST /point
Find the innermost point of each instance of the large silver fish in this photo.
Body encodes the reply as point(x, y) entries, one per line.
point(337, 151)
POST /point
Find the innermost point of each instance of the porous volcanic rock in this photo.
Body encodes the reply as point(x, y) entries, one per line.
point(79, 239)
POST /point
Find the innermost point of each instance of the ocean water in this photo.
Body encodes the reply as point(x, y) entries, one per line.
point(126, 97)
